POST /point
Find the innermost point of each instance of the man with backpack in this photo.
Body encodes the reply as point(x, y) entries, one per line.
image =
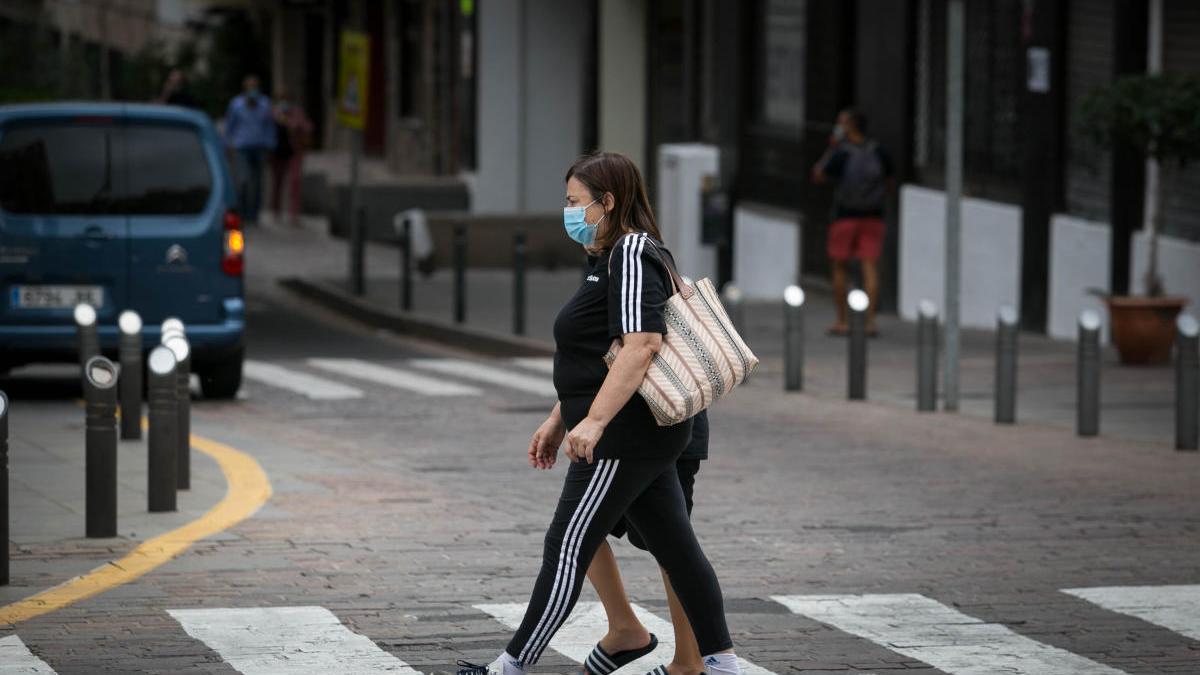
point(862, 176)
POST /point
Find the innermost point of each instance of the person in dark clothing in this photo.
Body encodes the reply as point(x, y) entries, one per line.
point(862, 173)
point(623, 465)
point(175, 91)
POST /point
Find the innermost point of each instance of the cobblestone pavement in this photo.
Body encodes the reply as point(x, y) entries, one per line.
point(847, 537)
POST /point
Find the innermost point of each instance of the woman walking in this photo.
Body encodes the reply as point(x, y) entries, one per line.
point(622, 462)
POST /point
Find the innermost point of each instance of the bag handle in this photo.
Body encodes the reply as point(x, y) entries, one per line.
point(678, 285)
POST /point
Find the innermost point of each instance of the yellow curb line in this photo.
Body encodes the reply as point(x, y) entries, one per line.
point(248, 489)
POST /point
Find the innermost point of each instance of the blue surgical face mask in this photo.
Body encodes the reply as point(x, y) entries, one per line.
point(577, 227)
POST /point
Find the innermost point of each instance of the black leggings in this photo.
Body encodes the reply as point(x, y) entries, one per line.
point(594, 498)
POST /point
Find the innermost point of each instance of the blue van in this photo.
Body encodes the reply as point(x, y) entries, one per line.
point(121, 206)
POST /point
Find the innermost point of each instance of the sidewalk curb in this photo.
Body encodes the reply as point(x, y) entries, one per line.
point(474, 339)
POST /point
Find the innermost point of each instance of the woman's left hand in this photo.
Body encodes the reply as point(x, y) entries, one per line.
point(582, 440)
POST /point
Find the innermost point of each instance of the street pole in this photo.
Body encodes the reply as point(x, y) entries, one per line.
point(100, 447)
point(129, 388)
point(954, 175)
point(927, 348)
point(1006, 365)
point(1187, 383)
point(352, 216)
point(181, 349)
point(85, 331)
point(163, 435)
point(793, 338)
point(1087, 398)
point(519, 282)
point(856, 362)
point(4, 488)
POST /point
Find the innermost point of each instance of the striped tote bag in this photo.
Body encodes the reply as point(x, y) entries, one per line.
point(702, 357)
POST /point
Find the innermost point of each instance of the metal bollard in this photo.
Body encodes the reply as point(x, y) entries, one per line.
point(358, 243)
point(85, 330)
point(164, 430)
point(1187, 383)
point(100, 444)
point(460, 273)
point(1087, 421)
point(129, 387)
point(170, 326)
point(856, 370)
point(731, 295)
point(1006, 365)
point(519, 282)
point(927, 356)
point(4, 488)
point(183, 400)
point(793, 338)
point(406, 260)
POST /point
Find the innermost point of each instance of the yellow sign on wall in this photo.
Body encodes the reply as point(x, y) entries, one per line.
point(352, 79)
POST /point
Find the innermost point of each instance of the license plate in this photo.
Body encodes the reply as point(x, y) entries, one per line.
point(56, 297)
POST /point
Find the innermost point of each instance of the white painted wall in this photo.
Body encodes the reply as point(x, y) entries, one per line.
point(497, 178)
point(766, 250)
point(991, 255)
point(681, 171)
point(622, 90)
point(1178, 264)
point(1079, 260)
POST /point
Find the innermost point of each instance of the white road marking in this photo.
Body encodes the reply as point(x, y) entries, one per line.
point(15, 657)
point(280, 640)
point(391, 377)
point(311, 386)
point(926, 630)
point(1173, 607)
point(473, 370)
point(542, 364)
point(588, 623)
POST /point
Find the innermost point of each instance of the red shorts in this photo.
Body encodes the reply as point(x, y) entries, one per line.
point(856, 238)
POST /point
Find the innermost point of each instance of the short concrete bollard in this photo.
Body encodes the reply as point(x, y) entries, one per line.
point(460, 274)
point(927, 355)
point(856, 363)
point(793, 338)
point(1187, 383)
point(85, 330)
point(129, 388)
point(100, 445)
point(1006, 365)
point(519, 250)
point(1087, 422)
point(162, 457)
point(4, 579)
point(734, 303)
point(179, 346)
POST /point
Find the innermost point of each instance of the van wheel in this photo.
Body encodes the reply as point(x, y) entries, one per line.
point(222, 380)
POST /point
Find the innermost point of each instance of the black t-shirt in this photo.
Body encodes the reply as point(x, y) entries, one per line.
point(625, 291)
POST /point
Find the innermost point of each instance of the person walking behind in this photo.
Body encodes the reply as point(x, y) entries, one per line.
point(627, 639)
point(862, 174)
point(250, 131)
point(622, 462)
point(175, 91)
point(293, 135)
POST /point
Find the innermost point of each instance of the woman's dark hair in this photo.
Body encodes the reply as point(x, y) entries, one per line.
point(613, 173)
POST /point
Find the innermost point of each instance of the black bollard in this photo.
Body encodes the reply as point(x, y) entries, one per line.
point(856, 370)
point(793, 338)
point(100, 442)
point(358, 243)
point(179, 346)
point(406, 260)
point(4, 488)
point(170, 325)
point(85, 330)
point(519, 282)
point(129, 388)
point(460, 273)
point(927, 356)
point(1006, 365)
point(1187, 383)
point(1087, 421)
point(162, 457)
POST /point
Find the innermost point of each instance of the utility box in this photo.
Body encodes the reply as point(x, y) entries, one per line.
point(683, 171)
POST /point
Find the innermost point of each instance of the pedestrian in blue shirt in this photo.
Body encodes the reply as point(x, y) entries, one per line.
point(250, 131)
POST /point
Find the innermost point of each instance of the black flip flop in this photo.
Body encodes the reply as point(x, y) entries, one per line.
point(600, 662)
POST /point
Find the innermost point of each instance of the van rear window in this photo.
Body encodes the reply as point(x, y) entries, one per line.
point(63, 168)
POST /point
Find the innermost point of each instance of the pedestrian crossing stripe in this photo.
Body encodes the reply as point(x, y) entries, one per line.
point(393, 377)
point(1176, 608)
point(588, 623)
point(541, 364)
point(15, 657)
point(284, 640)
point(928, 631)
point(480, 372)
point(317, 388)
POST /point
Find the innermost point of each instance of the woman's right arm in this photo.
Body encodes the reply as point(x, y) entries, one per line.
point(543, 447)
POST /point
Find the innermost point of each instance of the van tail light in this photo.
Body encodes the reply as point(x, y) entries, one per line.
point(232, 262)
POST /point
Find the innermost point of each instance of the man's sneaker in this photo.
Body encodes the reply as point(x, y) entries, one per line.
point(467, 668)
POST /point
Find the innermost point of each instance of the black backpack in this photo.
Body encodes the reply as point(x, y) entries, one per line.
point(863, 185)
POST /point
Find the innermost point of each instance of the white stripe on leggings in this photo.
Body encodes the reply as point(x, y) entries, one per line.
point(594, 494)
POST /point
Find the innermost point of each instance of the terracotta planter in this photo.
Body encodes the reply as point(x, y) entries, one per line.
point(1143, 329)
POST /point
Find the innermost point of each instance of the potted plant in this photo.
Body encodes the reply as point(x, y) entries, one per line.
point(1159, 116)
